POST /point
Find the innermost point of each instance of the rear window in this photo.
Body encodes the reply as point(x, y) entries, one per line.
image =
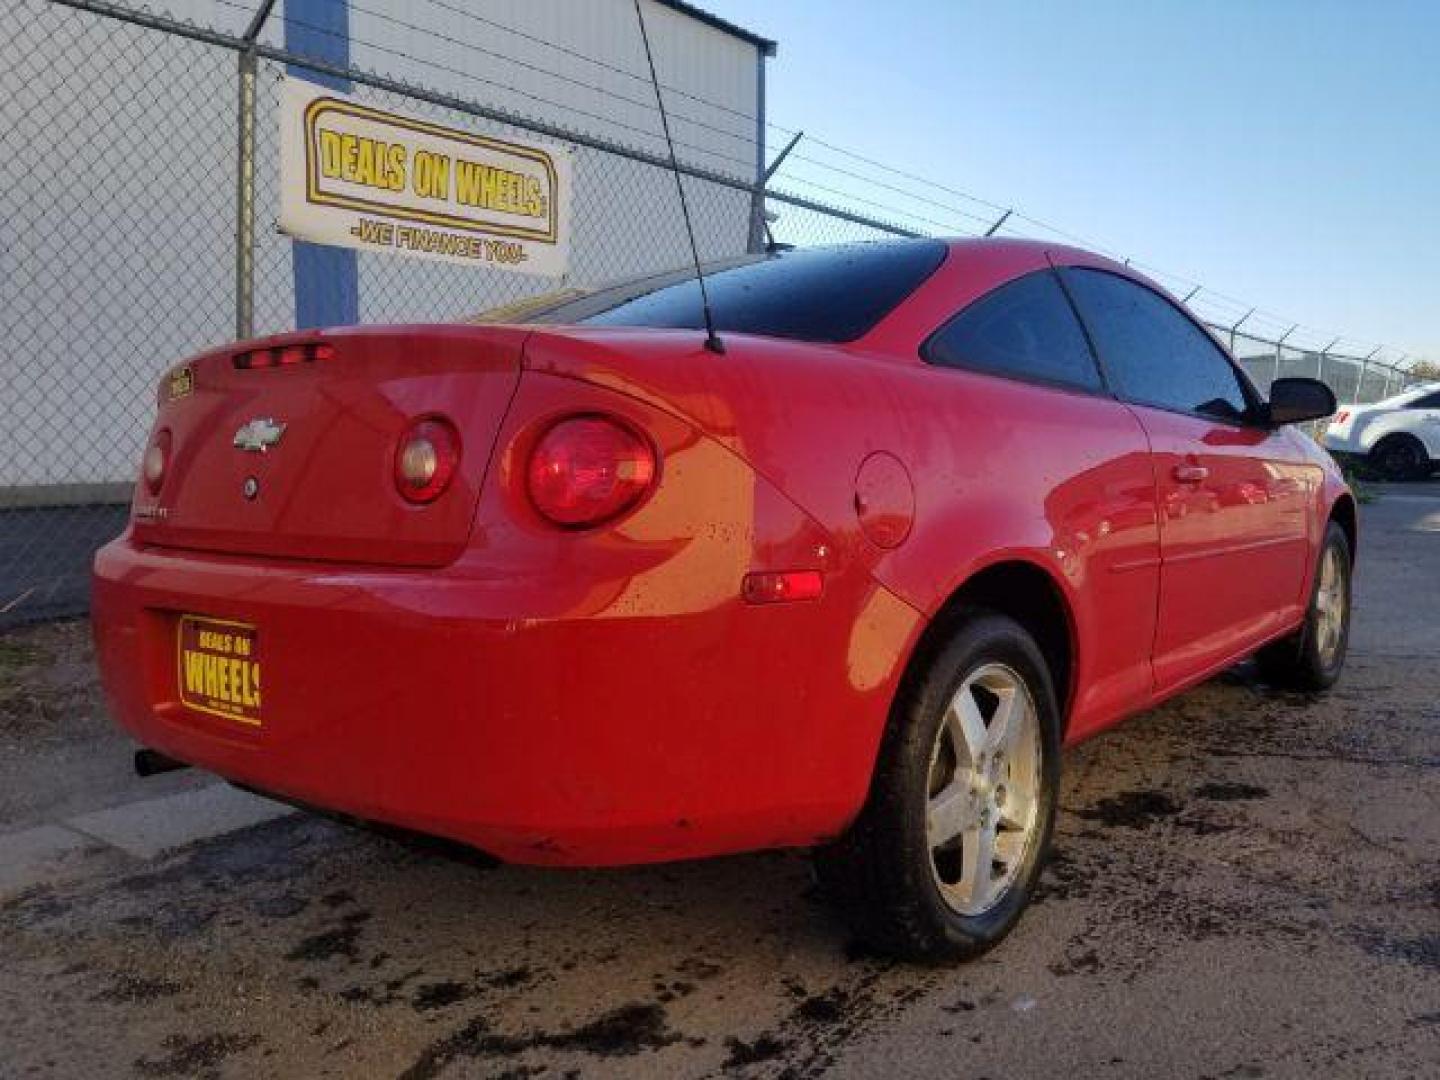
point(829, 294)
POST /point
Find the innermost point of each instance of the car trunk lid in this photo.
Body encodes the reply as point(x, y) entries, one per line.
point(296, 460)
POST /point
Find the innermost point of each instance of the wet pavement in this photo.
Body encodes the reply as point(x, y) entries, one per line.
point(1245, 883)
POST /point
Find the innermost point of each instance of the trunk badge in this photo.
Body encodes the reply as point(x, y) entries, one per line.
point(259, 434)
point(250, 488)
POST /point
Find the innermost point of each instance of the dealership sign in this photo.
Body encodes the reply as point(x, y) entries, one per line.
point(360, 177)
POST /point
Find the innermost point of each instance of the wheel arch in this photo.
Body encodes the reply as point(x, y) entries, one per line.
point(1344, 514)
point(1396, 434)
point(1026, 592)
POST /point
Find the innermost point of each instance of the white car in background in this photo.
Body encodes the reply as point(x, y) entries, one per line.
point(1398, 437)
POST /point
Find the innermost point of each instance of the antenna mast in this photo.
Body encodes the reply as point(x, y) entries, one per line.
point(712, 340)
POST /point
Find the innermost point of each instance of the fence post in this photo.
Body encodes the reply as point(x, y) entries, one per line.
point(993, 229)
point(1280, 347)
point(245, 177)
point(759, 227)
point(1320, 360)
point(1364, 370)
point(1243, 319)
point(245, 201)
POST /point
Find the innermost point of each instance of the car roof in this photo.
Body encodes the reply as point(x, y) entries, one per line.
point(1007, 250)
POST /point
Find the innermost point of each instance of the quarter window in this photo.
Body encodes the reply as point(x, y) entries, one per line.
point(1025, 329)
point(1429, 401)
point(1152, 353)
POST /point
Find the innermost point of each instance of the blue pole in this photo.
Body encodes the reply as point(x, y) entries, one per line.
point(327, 279)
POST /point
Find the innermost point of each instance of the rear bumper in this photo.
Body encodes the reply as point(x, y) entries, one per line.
point(610, 732)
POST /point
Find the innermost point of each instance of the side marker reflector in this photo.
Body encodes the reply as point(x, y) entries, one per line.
point(781, 587)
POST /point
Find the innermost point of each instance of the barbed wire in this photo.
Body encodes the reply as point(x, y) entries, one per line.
point(597, 62)
point(881, 176)
point(507, 88)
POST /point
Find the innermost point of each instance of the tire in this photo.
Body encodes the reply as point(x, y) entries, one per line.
point(1401, 457)
point(902, 897)
point(1312, 658)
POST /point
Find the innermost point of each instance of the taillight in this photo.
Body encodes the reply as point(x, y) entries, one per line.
point(157, 460)
point(284, 356)
point(1342, 416)
point(426, 459)
point(589, 469)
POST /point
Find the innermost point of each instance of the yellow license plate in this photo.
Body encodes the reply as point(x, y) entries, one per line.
point(219, 668)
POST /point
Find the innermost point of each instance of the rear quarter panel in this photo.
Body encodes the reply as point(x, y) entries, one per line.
point(1000, 470)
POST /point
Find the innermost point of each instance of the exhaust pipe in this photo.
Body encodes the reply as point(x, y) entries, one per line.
point(152, 763)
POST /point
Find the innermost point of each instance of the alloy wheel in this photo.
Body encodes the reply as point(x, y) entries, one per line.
point(983, 789)
point(1331, 606)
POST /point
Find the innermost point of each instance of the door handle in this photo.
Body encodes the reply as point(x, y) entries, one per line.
point(1190, 474)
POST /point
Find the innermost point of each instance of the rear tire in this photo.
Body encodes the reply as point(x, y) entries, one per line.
point(1401, 457)
point(1312, 658)
point(945, 855)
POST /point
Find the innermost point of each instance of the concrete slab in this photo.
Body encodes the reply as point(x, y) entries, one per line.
point(145, 829)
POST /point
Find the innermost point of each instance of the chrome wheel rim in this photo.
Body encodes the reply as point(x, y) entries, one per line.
point(1331, 606)
point(983, 790)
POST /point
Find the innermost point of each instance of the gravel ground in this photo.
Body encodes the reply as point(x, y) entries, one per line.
point(1245, 884)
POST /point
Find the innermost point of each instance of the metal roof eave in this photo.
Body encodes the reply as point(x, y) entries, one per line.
point(765, 45)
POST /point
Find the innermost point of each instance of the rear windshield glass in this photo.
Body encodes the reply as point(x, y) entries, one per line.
point(815, 294)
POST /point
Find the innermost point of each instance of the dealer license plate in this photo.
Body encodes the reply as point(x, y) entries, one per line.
point(219, 668)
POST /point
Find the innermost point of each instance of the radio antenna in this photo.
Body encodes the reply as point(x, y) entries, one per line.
point(712, 340)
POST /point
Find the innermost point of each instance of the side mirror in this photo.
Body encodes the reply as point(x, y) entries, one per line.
point(1293, 401)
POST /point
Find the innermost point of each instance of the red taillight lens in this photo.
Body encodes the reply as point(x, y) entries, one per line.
point(284, 356)
point(157, 460)
point(426, 459)
point(588, 469)
point(1342, 416)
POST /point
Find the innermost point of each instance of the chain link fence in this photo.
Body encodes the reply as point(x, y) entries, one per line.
point(119, 172)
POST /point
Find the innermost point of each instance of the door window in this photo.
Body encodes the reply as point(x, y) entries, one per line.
point(1154, 354)
point(1026, 330)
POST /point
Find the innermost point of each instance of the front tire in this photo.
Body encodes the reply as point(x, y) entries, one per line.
point(945, 855)
point(1312, 658)
point(1401, 457)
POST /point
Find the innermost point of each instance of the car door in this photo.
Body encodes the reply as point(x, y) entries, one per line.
point(1061, 437)
point(1425, 423)
point(1232, 491)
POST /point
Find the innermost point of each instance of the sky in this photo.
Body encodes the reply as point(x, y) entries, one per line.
point(1283, 152)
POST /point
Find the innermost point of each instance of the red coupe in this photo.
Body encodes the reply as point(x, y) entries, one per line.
point(574, 589)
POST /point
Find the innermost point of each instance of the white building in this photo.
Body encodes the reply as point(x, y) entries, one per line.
point(118, 186)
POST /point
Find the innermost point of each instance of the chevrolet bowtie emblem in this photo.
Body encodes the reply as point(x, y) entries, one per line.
point(259, 434)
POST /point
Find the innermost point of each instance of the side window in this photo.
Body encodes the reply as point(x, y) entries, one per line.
point(1429, 401)
point(1152, 353)
point(1025, 329)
